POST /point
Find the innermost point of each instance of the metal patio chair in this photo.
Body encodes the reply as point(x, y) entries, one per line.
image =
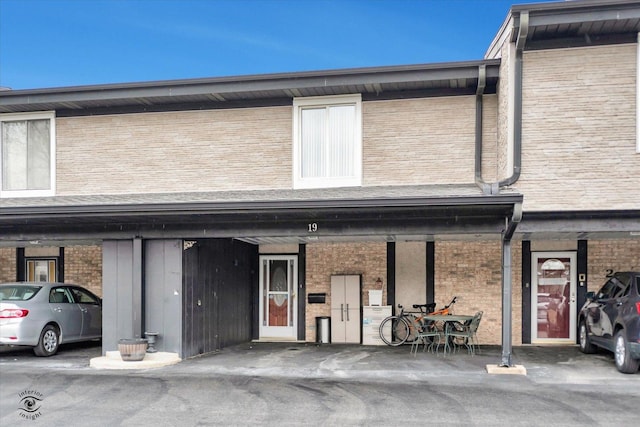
point(427, 336)
point(459, 335)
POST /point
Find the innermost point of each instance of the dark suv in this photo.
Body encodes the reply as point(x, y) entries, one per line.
point(611, 319)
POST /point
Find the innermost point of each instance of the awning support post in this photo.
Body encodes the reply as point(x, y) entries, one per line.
point(507, 234)
point(506, 302)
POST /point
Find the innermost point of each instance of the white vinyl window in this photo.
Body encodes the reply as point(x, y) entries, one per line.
point(27, 150)
point(327, 145)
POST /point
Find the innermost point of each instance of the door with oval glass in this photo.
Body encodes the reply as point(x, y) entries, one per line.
point(553, 297)
point(278, 296)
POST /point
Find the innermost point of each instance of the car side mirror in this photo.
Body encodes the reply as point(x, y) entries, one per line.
point(591, 295)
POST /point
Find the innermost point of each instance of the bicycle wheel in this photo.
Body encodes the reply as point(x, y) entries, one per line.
point(394, 330)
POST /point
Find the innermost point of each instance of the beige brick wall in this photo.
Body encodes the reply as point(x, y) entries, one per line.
point(504, 115)
point(469, 270)
point(472, 271)
point(414, 141)
point(175, 151)
point(579, 129)
point(7, 264)
point(83, 267)
point(617, 255)
point(419, 141)
point(327, 259)
point(489, 138)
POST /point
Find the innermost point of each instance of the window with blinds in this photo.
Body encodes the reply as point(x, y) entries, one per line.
point(327, 142)
point(27, 154)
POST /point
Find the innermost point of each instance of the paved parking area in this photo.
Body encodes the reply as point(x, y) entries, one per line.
point(324, 385)
point(565, 364)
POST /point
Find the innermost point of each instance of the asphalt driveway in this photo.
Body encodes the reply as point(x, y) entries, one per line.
point(543, 363)
point(294, 384)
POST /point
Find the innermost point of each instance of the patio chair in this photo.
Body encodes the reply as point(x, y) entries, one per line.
point(464, 335)
point(427, 337)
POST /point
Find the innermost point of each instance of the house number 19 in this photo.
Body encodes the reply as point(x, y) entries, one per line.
point(313, 227)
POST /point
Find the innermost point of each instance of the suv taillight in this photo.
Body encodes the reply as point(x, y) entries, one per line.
point(13, 313)
point(638, 307)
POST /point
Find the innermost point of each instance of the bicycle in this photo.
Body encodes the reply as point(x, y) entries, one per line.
point(404, 327)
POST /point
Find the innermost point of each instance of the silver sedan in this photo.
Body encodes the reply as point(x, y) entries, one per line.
point(45, 315)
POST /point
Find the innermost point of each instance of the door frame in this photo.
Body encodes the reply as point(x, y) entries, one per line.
point(279, 332)
point(573, 291)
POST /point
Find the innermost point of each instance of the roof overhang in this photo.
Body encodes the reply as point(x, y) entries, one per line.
point(368, 213)
point(571, 24)
point(376, 83)
point(579, 225)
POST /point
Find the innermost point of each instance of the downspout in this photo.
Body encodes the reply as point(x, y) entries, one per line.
point(523, 32)
point(512, 224)
point(494, 188)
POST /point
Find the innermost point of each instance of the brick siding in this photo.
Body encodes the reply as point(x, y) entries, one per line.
point(412, 141)
point(8, 265)
point(83, 267)
point(416, 141)
point(472, 272)
point(579, 129)
point(175, 151)
point(327, 259)
point(617, 255)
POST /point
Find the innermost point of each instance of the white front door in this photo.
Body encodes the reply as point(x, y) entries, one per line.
point(278, 296)
point(553, 297)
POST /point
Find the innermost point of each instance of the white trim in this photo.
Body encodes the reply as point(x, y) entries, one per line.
point(279, 332)
point(51, 115)
point(638, 95)
point(320, 101)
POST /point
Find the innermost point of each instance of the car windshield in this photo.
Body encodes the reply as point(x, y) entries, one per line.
point(18, 292)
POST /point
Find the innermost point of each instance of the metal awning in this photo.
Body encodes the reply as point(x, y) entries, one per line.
point(373, 213)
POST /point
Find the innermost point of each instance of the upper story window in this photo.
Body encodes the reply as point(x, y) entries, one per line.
point(327, 141)
point(27, 150)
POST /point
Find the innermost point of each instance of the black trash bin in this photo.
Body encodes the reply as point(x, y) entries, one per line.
point(323, 329)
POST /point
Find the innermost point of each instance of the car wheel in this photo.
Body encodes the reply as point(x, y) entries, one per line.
point(49, 342)
point(585, 344)
point(624, 362)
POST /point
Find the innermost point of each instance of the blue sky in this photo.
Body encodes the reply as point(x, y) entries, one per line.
point(54, 43)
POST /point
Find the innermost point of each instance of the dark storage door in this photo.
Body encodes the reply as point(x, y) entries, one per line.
point(218, 282)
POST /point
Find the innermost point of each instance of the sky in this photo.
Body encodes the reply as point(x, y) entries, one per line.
point(59, 43)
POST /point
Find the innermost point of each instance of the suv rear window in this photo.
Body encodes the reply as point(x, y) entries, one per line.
point(18, 293)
